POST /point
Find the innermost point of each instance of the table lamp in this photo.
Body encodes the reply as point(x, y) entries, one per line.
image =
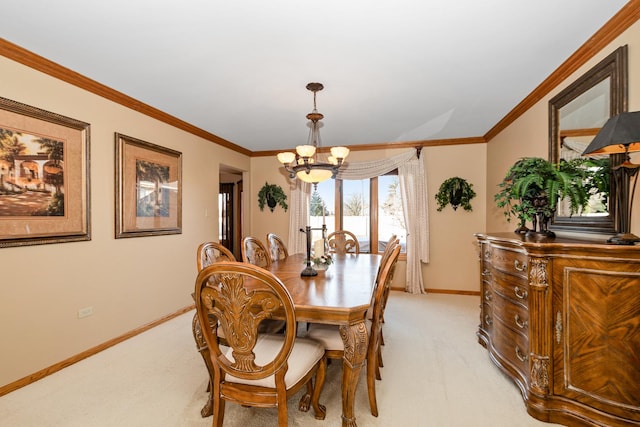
point(621, 134)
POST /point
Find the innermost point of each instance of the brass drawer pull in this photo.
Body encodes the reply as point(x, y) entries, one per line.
point(487, 296)
point(519, 266)
point(520, 293)
point(520, 323)
point(521, 356)
point(487, 320)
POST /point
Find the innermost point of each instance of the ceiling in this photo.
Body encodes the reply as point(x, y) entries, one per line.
point(393, 71)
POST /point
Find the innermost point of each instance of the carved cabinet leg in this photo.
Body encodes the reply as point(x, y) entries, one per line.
point(355, 339)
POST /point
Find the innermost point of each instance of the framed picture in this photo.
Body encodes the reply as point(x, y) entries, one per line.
point(148, 189)
point(44, 177)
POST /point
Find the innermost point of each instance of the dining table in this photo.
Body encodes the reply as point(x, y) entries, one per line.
point(339, 295)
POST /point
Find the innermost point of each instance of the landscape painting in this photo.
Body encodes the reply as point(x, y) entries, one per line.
point(44, 176)
point(31, 175)
point(148, 188)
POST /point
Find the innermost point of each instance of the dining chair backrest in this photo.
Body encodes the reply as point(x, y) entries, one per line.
point(383, 286)
point(277, 248)
point(254, 252)
point(254, 369)
point(342, 242)
point(393, 240)
point(210, 252)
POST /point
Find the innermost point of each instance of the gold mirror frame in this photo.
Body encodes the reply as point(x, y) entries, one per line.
point(613, 67)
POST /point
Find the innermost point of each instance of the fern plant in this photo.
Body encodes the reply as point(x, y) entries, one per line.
point(533, 186)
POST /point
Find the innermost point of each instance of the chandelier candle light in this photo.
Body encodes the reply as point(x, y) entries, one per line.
point(304, 163)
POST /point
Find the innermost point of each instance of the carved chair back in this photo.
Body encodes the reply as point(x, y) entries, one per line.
point(393, 240)
point(210, 252)
point(342, 242)
point(277, 248)
point(254, 252)
point(252, 370)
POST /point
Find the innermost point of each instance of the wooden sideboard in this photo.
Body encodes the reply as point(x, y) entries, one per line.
point(561, 317)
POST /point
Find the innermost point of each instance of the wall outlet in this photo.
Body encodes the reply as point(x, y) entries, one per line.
point(84, 312)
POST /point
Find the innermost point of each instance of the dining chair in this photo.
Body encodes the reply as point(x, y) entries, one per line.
point(254, 252)
point(257, 369)
point(210, 252)
point(342, 242)
point(387, 250)
point(206, 254)
point(277, 248)
point(329, 335)
point(393, 240)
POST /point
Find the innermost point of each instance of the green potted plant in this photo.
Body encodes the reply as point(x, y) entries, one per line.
point(272, 195)
point(457, 192)
point(532, 187)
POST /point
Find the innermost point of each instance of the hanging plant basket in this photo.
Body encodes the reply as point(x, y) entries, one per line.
point(455, 191)
point(272, 195)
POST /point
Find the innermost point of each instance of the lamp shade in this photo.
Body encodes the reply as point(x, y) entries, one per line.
point(314, 175)
point(340, 152)
point(286, 157)
point(306, 150)
point(621, 133)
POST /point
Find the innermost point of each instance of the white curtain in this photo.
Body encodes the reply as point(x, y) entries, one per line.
point(298, 216)
point(413, 187)
point(373, 168)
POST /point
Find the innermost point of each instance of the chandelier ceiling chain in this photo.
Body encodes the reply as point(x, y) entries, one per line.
point(304, 164)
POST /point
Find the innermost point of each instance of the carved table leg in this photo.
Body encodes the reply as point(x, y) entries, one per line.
point(207, 410)
point(355, 340)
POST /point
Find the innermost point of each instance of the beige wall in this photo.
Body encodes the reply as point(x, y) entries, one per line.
point(528, 135)
point(128, 282)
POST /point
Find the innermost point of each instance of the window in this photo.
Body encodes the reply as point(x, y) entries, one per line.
point(369, 208)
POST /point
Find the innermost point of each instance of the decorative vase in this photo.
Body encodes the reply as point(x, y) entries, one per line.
point(320, 267)
point(542, 218)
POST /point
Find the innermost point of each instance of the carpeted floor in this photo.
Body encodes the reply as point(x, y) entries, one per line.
point(436, 374)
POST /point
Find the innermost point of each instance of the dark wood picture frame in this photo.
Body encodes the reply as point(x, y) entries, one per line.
point(44, 177)
point(148, 189)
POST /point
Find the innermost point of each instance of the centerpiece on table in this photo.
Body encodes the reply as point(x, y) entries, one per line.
point(321, 258)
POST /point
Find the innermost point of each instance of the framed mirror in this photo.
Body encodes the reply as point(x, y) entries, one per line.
point(576, 114)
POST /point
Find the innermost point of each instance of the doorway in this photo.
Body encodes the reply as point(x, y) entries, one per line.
point(230, 209)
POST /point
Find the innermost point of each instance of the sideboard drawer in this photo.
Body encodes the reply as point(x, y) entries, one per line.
point(511, 287)
point(509, 261)
point(514, 316)
point(511, 347)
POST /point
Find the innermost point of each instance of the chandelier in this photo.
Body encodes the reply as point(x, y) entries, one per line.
point(304, 163)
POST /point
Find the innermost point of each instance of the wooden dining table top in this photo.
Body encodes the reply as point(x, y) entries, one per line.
point(339, 295)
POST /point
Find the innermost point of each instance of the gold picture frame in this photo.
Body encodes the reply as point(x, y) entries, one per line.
point(148, 189)
point(44, 177)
